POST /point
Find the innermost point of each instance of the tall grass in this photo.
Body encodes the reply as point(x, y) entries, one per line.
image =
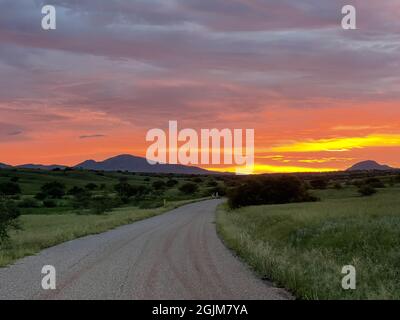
point(304, 246)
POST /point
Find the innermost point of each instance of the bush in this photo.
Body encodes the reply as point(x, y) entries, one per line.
point(158, 184)
point(101, 204)
point(367, 190)
point(81, 200)
point(9, 214)
point(188, 188)
point(75, 191)
point(374, 183)
point(398, 178)
point(29, 203)
point(171, 183)
point(49, 203)
point(268, 190)
point(91, 186)
point(338, 186)
point(319, 184)
point(54, 189)
point(9, 188)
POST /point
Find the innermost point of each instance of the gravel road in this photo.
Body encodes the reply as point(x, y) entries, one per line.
point(177, 255)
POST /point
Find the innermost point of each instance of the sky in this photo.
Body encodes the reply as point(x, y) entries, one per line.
point(319, 98)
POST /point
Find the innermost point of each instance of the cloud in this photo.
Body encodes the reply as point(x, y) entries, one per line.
point(91, 136)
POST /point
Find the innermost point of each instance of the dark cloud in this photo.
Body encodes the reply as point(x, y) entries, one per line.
point(91, 136)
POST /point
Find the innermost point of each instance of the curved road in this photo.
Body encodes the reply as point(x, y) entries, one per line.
point(177, 255)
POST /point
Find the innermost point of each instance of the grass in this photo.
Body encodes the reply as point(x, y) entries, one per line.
point(304, 246)
point(43, 231)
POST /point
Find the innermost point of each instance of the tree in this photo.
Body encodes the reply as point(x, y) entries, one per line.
point(124, 191)
point(91, 186)
point(75, 191)
point(9, 214)
point(158, 184)
point(54, 189)
point(188, 188)
point(367, 190)
point(9, 189)
point(268, 190)
point(319, 184)
point(101, 204)
point(171, 183)
point(374, 182)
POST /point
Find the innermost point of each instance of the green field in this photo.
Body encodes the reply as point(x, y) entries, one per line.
point(303, 246)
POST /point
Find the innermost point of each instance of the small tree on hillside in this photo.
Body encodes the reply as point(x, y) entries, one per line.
point(367, 190)
point(188, 188)
point(54, 189)
point(9, 214)
point(9, 189)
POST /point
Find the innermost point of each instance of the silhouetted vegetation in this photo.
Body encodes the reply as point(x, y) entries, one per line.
point(54, 190)
point(9, 214)
point(319, 184)
point(374, 182)
point(367, 190)
point(9, 188)
point(188, 188)
point(268, 190)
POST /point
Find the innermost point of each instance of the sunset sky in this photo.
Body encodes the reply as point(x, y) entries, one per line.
point(319, 97)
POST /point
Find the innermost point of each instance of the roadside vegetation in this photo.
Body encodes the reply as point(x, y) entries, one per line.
point(39, 209)
point(303, 246)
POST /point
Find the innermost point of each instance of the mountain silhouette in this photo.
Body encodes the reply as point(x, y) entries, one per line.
point(40, 166)
point(4, 166)
point(369, 165)
point(127, 162)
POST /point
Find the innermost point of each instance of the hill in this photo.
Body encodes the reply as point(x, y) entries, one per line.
point(126, 162)
point(368, 166)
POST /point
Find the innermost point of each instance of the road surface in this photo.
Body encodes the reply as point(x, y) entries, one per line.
point(177, 255)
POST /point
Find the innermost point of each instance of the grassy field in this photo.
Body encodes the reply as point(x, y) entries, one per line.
point(303, 246)
point(43, 231)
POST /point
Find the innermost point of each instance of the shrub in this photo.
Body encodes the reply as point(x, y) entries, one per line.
point(49, 203)
point(212, 183)
point(367, 190)
point(319, 184)
point(9, 214)
point(54, 189)
point(398, 178)
point(91, 186)
point(374, 183)
point(40, 196)
point(75, 191)
point(188, 188)
point(29, 203)
point(81, 200)
point(337, 186)
point(9, 188)
point(171, 183)
point(268, 190)
point(101, 204)
point(158, 184)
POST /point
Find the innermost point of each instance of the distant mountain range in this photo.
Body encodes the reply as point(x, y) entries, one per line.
point(126, 162)
point(369, 165)
point(41, 166)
